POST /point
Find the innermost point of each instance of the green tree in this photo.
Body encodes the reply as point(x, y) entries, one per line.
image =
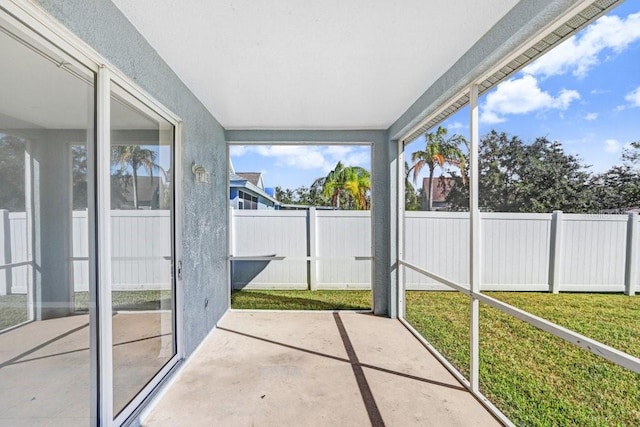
point(285, 195)
point(12, 189)
point(618, 189)
point(79, 176)
point(310, 196)
point(411, 196)
point(439, 151)
point(132, 158)
point(346, 186)
point(357, 184)
point(304, 196)
point(519, 177)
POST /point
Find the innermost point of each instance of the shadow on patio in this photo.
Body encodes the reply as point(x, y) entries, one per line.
point(315, 368)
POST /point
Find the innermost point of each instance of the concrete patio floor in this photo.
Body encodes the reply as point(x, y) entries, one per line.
point(314, 369)
point(45, 366)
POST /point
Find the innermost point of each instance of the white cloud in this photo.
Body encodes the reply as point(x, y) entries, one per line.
point(580, 53)
point(455, 126)
point(338, 150)
point(361, 158)
point(633, 97)
point(295, 156)
point(308, 157)
point(522, 96)
point(590, 116)
point(612, 146)
point(238, 150)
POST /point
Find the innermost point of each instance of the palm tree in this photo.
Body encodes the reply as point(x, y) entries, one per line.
point(438, 151)
point(411, 199)
point(357, 185)
point(134, 157)
point(333, 184)
point(351, 183)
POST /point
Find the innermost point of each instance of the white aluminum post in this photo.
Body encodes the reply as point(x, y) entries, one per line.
point(400, 285)
point(474, 254)
point(28, 198)
point(92, 283)
point(104, 306)
point(555, 252)
point(313, 250)
point(631, 267)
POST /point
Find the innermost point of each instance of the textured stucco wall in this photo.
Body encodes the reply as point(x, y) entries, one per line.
point(381, 208)
point(101, 25)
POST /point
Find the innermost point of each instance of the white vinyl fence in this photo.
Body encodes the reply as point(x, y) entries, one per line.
point(310, 249)
point(141, 245)
point(319, 249)
point(15, 259)
point(521, 252)
point(527, 252)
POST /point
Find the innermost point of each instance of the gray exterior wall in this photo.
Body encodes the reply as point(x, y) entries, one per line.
point(101, 25)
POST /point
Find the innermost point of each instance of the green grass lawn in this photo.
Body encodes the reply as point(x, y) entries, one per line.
point(13, 308)
point(301, 300)
point(535, 378)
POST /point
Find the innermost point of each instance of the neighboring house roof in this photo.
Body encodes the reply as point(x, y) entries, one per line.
point(241, 180)
point(235, 177)
point(441, 188)
point(253, 177)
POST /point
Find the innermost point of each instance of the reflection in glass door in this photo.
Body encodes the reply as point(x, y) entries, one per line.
point(142, 218)
point(47, 308)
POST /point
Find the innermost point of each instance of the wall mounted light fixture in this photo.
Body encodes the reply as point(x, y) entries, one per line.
point(201, 174)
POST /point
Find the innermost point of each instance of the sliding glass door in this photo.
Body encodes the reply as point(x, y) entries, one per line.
point(87, 237)
point(142, 145)
point(47, 253)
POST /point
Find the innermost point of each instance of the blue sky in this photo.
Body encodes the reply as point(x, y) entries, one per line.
point(292, 166)
point(585, 94)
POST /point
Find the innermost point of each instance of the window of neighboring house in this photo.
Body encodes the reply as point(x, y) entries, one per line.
point(250, 202)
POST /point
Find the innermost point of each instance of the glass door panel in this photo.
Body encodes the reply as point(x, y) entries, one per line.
point(46, 114)
point(142, 217)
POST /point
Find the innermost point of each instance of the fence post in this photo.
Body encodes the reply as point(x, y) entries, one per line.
point(313, 249)
point(631, 265)
point(5, 253)
point(555, 252)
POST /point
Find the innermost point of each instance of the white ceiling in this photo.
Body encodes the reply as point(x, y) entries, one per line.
point(312, 64)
